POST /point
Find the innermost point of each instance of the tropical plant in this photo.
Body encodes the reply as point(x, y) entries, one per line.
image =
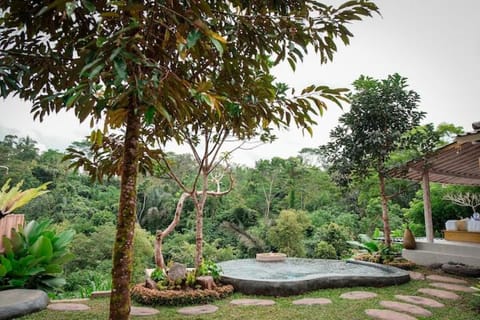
point(209, 268)
point(381, 112)
point(34, 257)
point(377, 251)
point(12, 198)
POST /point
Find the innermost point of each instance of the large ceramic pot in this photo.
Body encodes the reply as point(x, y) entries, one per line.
point(409, 239)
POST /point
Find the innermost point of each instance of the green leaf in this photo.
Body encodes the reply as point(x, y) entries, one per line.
point(96, 71)
point(193, 37)
point(115, 53)
point(218, 45)
point(89, 5)
point(67, 257)
point(53, 269)
point(63, 239)
point(54, 282)
point(149, 115)
point(120, 69)
point(42, 248)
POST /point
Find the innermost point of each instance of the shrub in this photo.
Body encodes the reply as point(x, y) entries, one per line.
point(289, 232)
point(337, 237)
point(324, 250)
point(34, 257)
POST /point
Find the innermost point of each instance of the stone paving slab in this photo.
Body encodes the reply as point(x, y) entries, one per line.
point(312, 301)
point(70, 300)
point(416, 275)
point(252, 302)
point(406, 307)
point(143, 311)
point(451, 286)
point(196, 310)
point(426, 302)
point(439, 293)
point(19, 302)
point(388, 315)
point(358, 295)
point(63, 306)
point(434, 277)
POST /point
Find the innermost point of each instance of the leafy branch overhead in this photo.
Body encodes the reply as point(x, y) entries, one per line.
point(12, 198)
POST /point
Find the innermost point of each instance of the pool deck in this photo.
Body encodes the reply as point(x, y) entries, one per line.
point(444, 251)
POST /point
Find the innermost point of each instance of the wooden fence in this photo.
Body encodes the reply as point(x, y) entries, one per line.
point(7, 223)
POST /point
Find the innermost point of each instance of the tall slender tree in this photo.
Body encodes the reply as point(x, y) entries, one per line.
point(139, 65)
point(381, 112)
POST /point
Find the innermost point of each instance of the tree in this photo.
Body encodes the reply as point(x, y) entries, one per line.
point(149, 67)
point(381, 112)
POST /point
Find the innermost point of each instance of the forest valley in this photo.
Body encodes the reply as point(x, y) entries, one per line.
point(280, 205)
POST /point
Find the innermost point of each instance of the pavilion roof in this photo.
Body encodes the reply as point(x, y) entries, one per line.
point(456, 163)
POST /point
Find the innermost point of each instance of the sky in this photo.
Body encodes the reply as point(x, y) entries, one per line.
point(433, 43)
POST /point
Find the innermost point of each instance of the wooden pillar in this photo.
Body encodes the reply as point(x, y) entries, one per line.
point(427, 206)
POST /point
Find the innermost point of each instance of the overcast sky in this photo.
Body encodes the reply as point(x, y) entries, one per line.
point(433, 43)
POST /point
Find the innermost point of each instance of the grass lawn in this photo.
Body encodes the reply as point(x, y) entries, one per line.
point(284, 309)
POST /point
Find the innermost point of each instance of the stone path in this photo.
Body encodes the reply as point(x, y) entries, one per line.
point(252, 302)
point(450, 286)
point(438, 278)
point(312, 301)
point(416, 275)
point(442, 294)
point(358, 295)
point(383, 314)
point(64, 306)
point(406, 307)
point(143, 311)
point(427, 302)
point(196, 310)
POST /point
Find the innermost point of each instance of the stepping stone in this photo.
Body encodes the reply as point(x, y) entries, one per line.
point(406, 307)
point(252, 302)
point(312, 301)
point(416, 275)
point(18, 302)
point(75, 300)
point(450, 286)
point(438, 278)
point(61, 306)
point(358, 295)
point(440, 293)
point(196, 310)
point(388, 315)
point(426, 302)
point(143, 311)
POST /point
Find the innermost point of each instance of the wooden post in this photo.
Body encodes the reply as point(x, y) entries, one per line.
point(427, 206)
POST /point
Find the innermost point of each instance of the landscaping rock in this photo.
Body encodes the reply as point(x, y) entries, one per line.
point(252, 302)
point(438, 278)
point(143, 311)
point(192, 311)
point(461, 270)
point(176, 272)
point(406, 307)
point(150, 284)
point(388, 315)
point(435, 266)
point(451, 286)
point(416, 275)
point(427, 302)
point(18, 302)
point(61, 306)
point(358, 295)
point(440, 293)
point(206, 282)
point(312, 301)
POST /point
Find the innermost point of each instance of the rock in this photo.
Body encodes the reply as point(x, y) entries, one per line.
point(451, 286)
point(150, 284)
point(426, 302)
point(176, 272)
point(406, 307)
point(312, 301)
point(416, 275)
point(192, 311)
point(388, 315)
point(18, 302)
point(461, 270)
point(252, 302)
point(438, 278)
point(358, 295)
point(442, 294)
point(435, 266)
point(206, 282)
point(59, 306)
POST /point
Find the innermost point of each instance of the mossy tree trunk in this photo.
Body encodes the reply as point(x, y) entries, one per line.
point(384, 200)
point(123, 248)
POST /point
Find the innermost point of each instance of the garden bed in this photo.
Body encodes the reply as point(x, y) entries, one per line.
point(154, 297)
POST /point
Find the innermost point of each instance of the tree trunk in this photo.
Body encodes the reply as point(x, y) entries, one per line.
point(384, 200)
point(123, 248)
point(199, 205)
point(159, 261)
